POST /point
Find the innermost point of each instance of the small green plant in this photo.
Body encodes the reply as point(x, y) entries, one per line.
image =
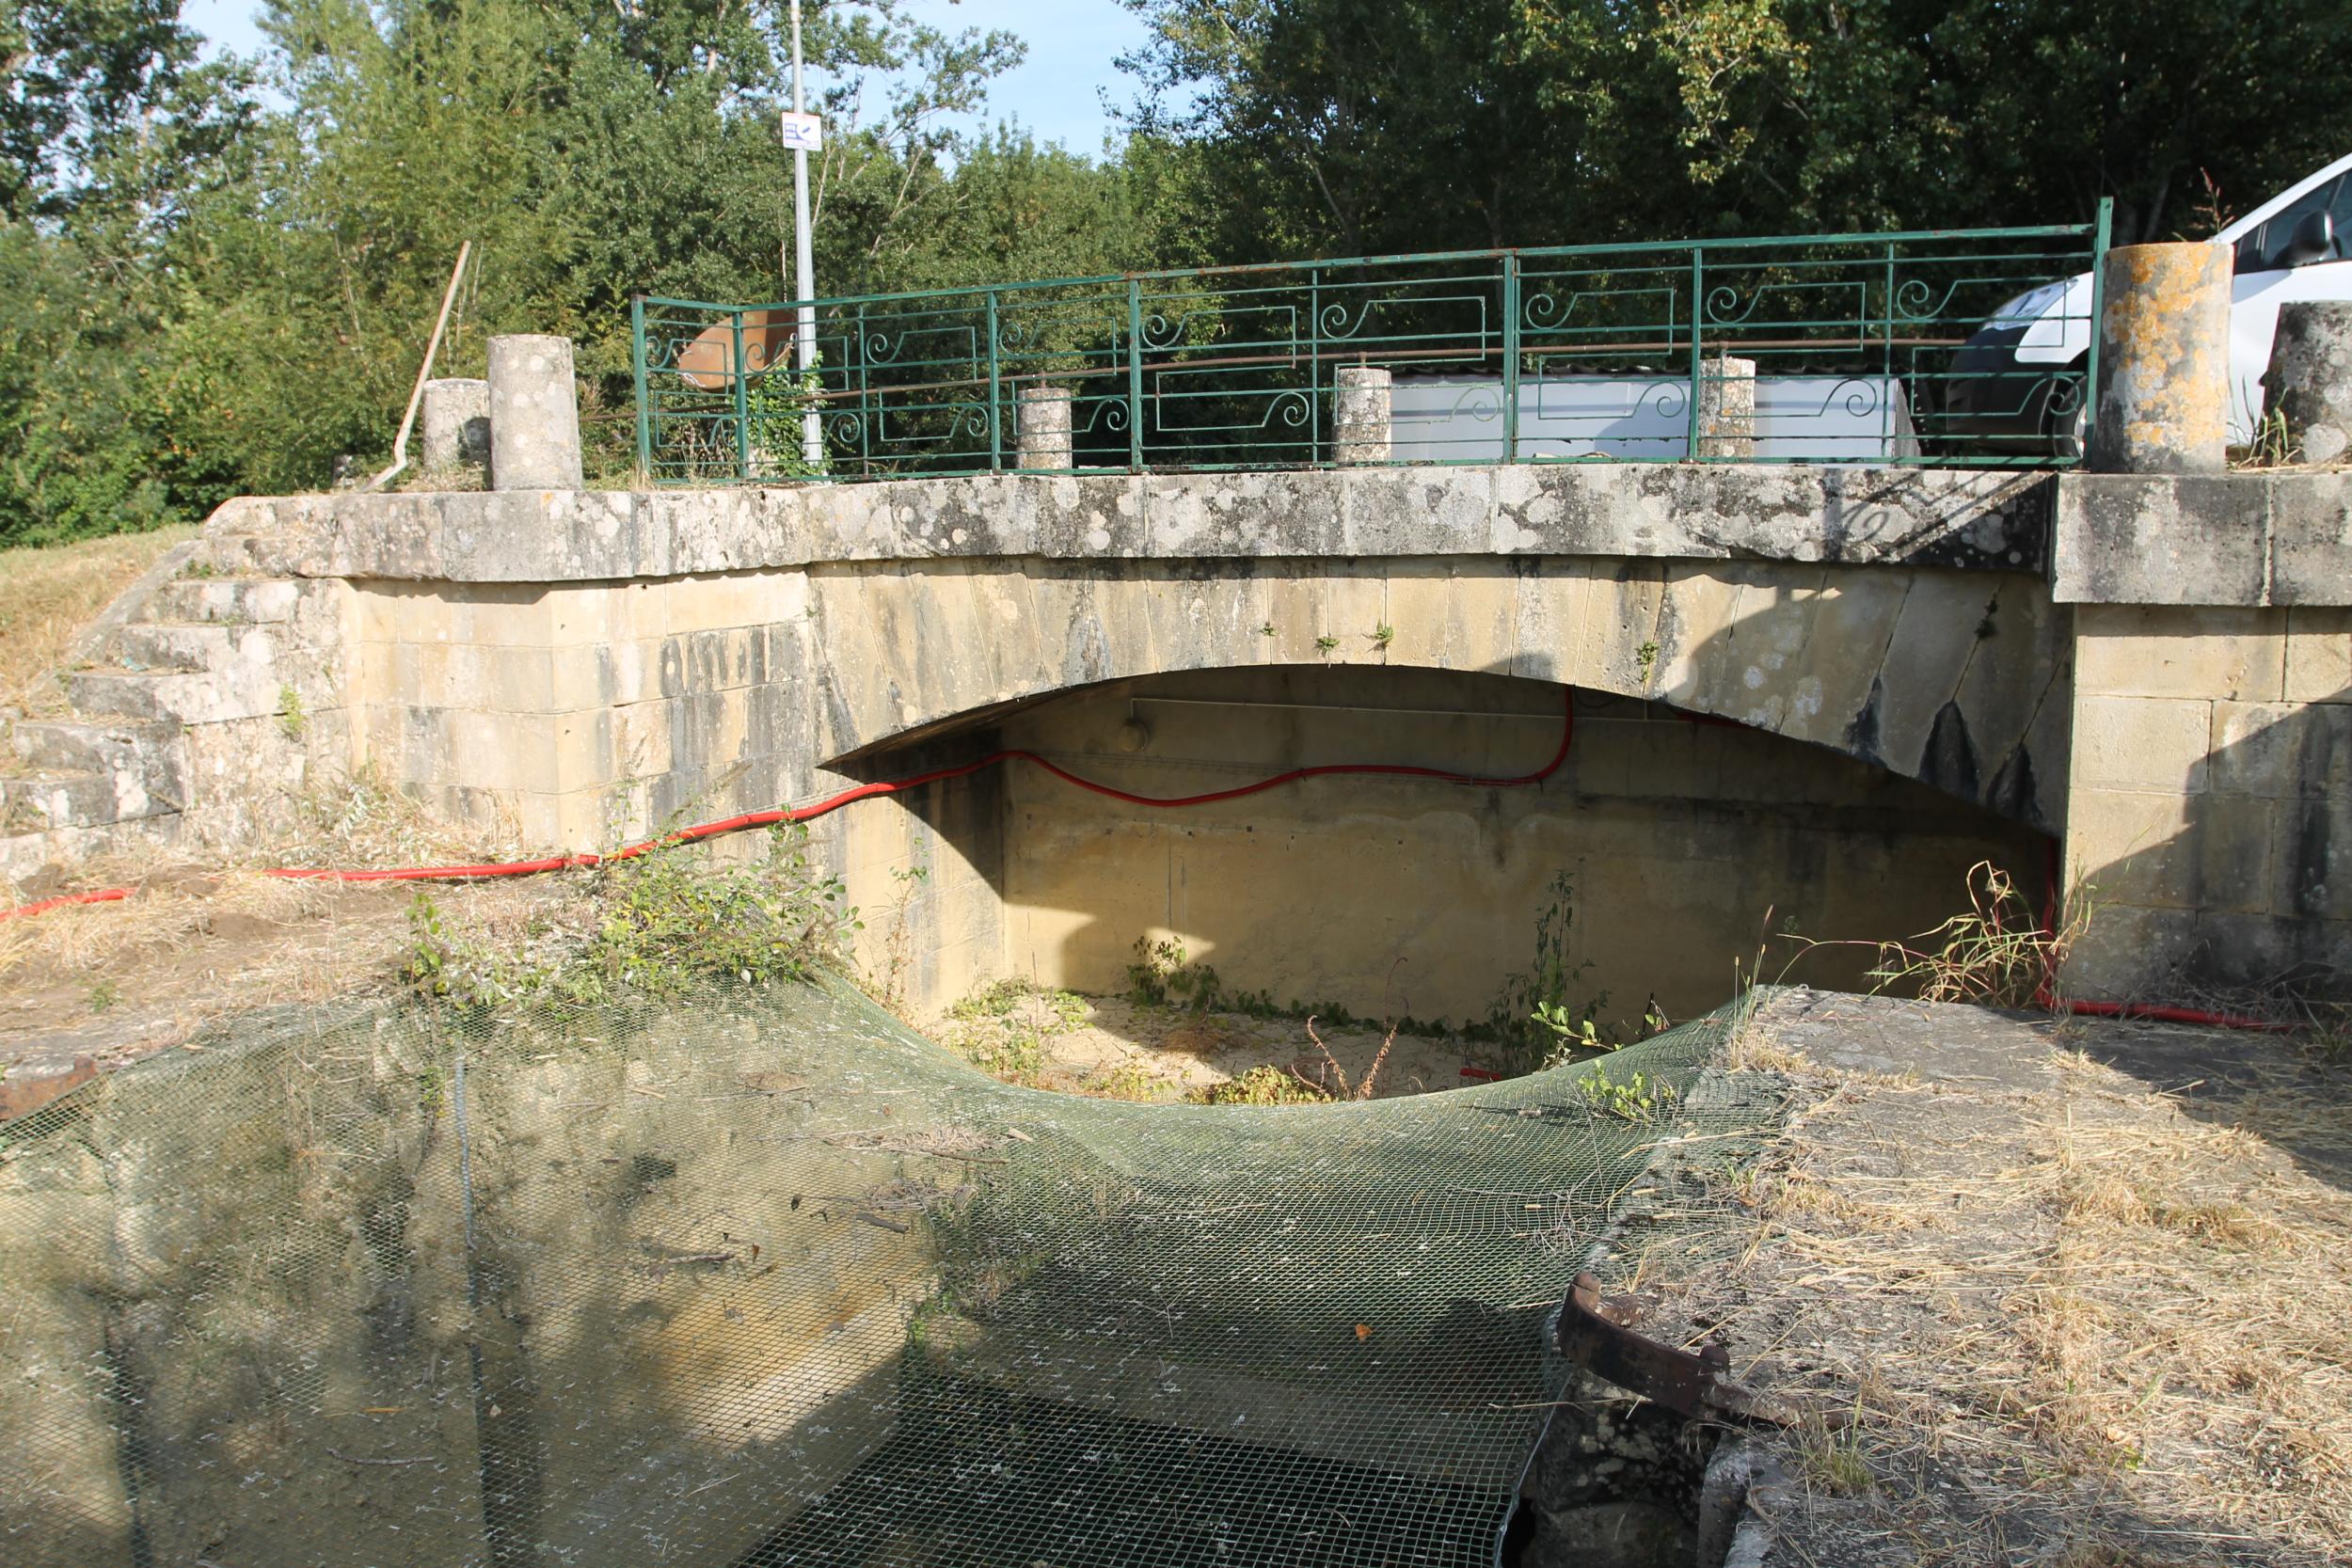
point(1644, 658)
point(890, 988)
point(1577, 1035)
point(200, 570)
point(290, 715)
point(1833, 1457)
point(1382, 636)
point(1515, 1021)
point(103, 996)
point(1325, 643)
point(1266, 630)
point(1164, 976)
point(1634, 1098)
point(1127, 1080)
point(2273, 445)
point(1263, 1086)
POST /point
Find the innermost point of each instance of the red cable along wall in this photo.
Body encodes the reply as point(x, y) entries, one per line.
point(865, 792)
point(2044, 998)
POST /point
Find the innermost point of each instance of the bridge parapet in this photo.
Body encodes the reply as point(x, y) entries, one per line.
point(1817, 514)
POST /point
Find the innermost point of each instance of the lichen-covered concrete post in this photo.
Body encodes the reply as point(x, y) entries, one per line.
point(2164, 361)
point(1361, 415)
point(535, 414)
point(1728, 408)
point(456, 422)
point(1043, 428)
point(2308, 389)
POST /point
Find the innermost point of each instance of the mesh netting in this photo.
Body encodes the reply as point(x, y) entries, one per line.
point(771, 1279)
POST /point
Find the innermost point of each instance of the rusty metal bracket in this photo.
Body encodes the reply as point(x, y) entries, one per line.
point(1596, 1333)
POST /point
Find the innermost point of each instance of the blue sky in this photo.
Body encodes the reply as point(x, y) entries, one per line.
point(1056, 92)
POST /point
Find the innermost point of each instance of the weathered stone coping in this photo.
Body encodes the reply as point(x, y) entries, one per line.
point(2281, 538)
point(1797, 513)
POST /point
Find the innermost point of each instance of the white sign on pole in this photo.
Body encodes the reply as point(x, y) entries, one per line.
point(803, 132)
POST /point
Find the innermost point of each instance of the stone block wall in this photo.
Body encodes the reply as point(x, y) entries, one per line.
point(2209, 823)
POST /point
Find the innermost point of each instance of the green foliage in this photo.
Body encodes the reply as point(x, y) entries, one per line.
point(292, 722)
point(1326, 126)
point(658, 923)
point(1005, 1028)
point(1633, 1098)
point(1263, 1086)
point(1163, 977)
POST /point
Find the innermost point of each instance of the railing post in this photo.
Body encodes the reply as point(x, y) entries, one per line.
point(1135, 373)
point(995, 418)
point(644, 407)
point(1511, 358)
point(742, 401)
point(1698, 313)
point(869, 411)
point(2100, 238)
point(1315, 371)
point(1887, 365)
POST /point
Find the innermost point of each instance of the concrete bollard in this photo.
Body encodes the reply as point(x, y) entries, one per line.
point(1361, 415)
point(2164, 359)
point(1728, 408)
point(1041, 429)
point(535, 414)
point(2307, 391)
point(455, 425)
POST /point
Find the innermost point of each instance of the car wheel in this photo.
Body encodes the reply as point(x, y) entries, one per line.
point(2067, 421)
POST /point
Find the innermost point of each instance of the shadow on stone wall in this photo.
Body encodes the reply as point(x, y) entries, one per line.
point(2236, 889)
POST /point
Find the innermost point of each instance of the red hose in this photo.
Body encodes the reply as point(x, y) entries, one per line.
point(865, 792)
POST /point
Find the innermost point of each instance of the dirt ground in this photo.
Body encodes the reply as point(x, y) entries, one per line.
point(1129, 1049)
point(2065, 1292)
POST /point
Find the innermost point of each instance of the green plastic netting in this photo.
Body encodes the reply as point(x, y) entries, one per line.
point(769, 1279)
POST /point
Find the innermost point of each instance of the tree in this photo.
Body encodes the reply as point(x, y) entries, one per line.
point(1328, 126)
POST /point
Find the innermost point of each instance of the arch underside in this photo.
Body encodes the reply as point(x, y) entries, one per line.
point(1940, 676)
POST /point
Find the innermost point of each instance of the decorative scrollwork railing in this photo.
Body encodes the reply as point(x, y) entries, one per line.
point(1895, 348)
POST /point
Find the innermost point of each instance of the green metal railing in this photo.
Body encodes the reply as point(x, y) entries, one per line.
point(1832, 348)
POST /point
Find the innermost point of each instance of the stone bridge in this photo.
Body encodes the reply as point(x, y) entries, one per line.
point(1896, 672)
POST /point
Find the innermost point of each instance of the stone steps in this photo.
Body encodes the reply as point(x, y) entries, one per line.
point(230, 601)
point(183, 697)
point(201, 648)
point(87, 775)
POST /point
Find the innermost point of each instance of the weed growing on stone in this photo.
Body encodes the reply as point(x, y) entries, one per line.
point(1325, 643)
point(290, 715)
point(1532, 1021)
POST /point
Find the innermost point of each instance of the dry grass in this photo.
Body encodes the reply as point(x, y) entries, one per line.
point(53, 593)
point(2100, 1315)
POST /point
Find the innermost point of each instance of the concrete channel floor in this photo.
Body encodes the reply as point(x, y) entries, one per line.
point(2052, 1291)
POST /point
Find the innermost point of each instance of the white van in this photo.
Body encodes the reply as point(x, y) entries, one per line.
point(2018, 383)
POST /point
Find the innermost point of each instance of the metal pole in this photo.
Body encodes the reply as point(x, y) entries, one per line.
point(804, 331)
point(645, 411)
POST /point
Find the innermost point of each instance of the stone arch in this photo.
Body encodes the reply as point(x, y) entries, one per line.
point(1881, 664)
